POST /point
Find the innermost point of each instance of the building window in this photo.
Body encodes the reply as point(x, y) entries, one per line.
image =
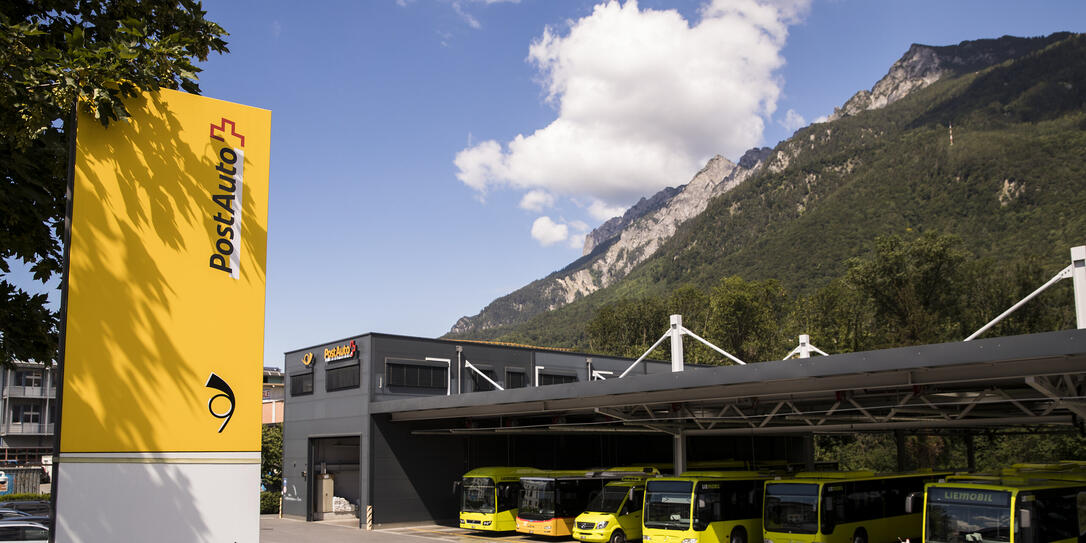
point(416, 375)
point(341, 378)
point(515, 378)
point(556, 379)
point(28, 378)
point(301, 384)
point(26, 414)
point(478, 383)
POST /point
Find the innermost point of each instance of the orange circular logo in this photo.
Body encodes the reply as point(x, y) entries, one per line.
point(307, 359)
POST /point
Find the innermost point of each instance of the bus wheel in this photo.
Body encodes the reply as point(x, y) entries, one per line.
point(860, 536)
point(739, 536)
point(618, 537)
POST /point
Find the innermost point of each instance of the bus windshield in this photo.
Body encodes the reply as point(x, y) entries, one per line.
point(957, 515)
point(477, 495)
point(791, 508)
point(537, 502)
point(609, 500)
point(667, 504)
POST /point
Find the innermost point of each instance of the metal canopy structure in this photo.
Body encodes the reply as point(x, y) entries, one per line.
point(992, 384)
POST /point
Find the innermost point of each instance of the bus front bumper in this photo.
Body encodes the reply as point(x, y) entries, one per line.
point(592, 536)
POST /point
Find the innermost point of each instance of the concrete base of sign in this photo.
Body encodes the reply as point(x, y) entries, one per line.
point(164, 497)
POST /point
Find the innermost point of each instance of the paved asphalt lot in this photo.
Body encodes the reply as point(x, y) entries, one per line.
point(276, 530)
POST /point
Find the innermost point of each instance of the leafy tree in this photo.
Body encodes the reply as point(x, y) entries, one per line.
point(56, 55)
point(874, 451)
point(271, 457)
point(994, 286)
point(915, 287)
point(746, 318)
point(628, 327)
point(838, 318)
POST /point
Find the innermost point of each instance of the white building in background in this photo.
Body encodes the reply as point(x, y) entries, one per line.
point(28, 394)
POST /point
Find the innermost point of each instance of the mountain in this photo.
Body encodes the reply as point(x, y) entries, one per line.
point(614, 248)
point(982, 139)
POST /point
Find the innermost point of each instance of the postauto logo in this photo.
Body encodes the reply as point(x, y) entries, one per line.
point(340, 352)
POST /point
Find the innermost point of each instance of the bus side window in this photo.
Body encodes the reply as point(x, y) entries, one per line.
point(638, 500)
point(1082, 512)
point(508, 496)
point(833, 508)
point(708, 507)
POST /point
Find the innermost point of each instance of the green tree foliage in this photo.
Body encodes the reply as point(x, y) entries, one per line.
point(996, 451)
point(914, 287)
point(271, 457)
point(860, 451)
point(54, 56)
point(993, 451)
point(837, 317)
point(746, 318)
point(627, 327)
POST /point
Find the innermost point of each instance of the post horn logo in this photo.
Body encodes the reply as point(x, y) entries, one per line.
point(307, 359)
point(216, 382)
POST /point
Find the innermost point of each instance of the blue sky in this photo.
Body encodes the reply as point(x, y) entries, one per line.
point(402, 197)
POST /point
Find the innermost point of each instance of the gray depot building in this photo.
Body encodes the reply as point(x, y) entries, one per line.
point(386, 424)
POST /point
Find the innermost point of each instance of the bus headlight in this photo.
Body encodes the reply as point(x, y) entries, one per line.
point(486, 523)
point(690, 540)
point(601, 524)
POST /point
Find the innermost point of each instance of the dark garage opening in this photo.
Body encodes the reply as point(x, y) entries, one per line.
point(334, 464)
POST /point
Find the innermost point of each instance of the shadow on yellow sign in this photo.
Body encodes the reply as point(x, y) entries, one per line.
point(165, 294)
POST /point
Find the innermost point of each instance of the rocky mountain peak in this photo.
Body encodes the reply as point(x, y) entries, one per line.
point(923, 65)
point(614, 226)
point(752, 157)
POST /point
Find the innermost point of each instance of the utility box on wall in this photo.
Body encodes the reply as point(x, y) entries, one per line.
point(326, 490)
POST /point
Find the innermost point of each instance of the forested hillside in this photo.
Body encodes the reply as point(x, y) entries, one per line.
point(992, 158)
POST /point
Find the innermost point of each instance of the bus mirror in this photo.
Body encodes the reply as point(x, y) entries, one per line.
point(456, 487)
point(1024, 519)
point(912, 501)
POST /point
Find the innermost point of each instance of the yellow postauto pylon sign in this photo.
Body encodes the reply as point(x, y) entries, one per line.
point(166, 271)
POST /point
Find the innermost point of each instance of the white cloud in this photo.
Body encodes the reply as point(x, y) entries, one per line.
point(602, 211)
point(644, 98)
point(548, 232)
point(792, 121)
point(536, 200)
point(480, 165)
point(467, 17)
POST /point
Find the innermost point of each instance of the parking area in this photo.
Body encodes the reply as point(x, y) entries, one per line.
point(277, 530)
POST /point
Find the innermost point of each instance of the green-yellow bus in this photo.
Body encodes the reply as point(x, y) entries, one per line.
point(704, 507)
point(488, 497)
point(1005, 509)
point(843, 507)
